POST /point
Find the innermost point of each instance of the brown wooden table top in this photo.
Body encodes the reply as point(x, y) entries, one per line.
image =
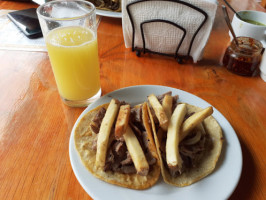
point(35, 125)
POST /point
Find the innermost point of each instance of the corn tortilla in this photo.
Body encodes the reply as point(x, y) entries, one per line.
point(84, 138)
point(209, 160)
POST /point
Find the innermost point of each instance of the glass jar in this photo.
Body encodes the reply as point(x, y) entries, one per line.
point(243, 59)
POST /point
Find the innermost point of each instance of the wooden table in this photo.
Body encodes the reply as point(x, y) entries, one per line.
point(35, 125)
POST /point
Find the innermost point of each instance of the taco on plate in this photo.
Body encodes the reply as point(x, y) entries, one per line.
point(108, 5)
point(115, 143)
point(188, 139)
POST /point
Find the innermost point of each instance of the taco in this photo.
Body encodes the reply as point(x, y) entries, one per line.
point(108, 5)
point(115, 143)
point(191, 144)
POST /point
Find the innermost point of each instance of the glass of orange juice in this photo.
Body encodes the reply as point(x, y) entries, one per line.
point(70, 31)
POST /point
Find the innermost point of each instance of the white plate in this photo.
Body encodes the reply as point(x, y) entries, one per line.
point(218, 185)
point(98, 12)
point(108, 13)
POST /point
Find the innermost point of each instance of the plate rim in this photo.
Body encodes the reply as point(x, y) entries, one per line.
point(156, 87)
point(106, 13)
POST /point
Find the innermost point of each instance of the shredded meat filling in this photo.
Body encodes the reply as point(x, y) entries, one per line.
point(97, 120)
point(118, 158)
point(190, 154)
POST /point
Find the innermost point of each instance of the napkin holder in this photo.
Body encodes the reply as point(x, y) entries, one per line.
point(176, 55)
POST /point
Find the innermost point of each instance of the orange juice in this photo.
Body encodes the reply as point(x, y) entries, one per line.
point(73, 52)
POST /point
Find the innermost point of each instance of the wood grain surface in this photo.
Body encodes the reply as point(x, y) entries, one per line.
point(35, 125)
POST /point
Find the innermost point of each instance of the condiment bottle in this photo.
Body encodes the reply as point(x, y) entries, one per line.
point(244, 58)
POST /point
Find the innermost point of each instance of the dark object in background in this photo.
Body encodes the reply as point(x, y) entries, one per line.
point(20, 0)
point(27, 21)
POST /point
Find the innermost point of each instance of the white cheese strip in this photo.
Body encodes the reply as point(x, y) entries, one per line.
point(136, 152)
point(104, 133)
point(173, 158)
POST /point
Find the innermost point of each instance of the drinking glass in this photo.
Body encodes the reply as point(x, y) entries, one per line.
point(70, 32)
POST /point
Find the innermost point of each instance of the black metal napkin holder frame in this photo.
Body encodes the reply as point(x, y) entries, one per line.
point(178, 57)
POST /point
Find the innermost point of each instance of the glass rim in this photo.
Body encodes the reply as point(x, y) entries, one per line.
point(243, 40)
point(65, 18)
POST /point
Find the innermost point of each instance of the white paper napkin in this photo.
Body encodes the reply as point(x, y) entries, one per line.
point(162, 37)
